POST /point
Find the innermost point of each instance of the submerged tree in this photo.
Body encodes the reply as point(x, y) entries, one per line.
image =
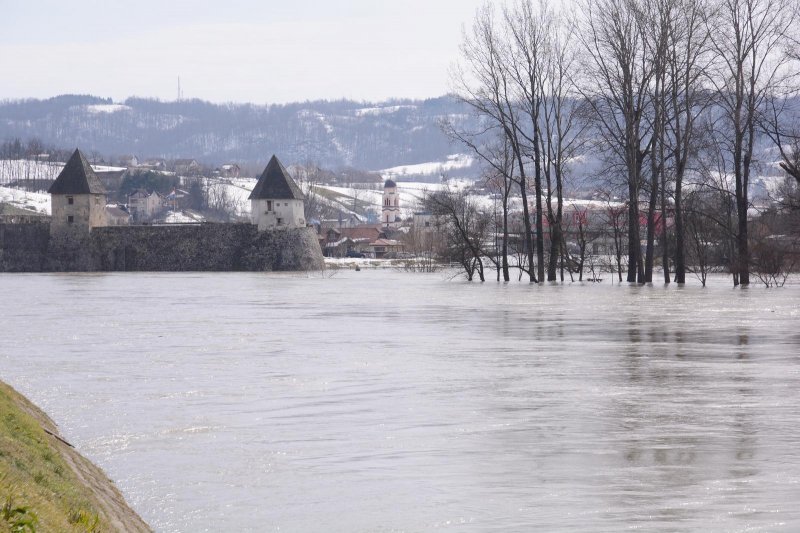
point(748, 37)
point(618, 74)
point(516, 74)
point(465, 228)
point(482, 81)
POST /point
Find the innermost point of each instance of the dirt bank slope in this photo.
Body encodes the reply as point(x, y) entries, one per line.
point(46, 483)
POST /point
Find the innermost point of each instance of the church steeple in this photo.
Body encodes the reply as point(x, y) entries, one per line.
point(390, 213)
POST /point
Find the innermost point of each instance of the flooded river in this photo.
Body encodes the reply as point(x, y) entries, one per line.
point(390, 401)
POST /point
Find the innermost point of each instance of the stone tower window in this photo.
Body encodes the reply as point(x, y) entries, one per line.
point(70, 200)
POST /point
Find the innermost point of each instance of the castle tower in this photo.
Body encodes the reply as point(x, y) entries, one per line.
point(77, 197)
point(276, 200)
point(390, 215)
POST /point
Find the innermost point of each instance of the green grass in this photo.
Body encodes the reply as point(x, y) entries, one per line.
point(38, 489)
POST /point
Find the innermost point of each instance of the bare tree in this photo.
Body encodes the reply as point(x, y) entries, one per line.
point(465, 227)
point(309, 177)
point(222, 201)
point(500, 181)
point(562, 136)
point(701, 234)
point(523, 59)
point(748, 37)
point(656, 19)
point(781, 123)
point(483, 82)
point(613, 218)
point(618, 76)
point(687, 62)
point(516, 74)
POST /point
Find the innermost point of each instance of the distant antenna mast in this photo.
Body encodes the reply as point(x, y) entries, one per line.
point(179, 88)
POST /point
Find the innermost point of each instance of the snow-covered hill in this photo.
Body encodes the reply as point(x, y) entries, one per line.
point(334, 134)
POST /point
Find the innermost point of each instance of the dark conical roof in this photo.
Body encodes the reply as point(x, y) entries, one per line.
point(77, 177)
point(276, 183)
point(389, 183)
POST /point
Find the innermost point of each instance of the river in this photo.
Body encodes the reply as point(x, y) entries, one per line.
point(393, 401)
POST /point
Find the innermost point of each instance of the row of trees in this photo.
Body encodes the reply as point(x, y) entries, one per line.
point(26, 163)
point(673, 96)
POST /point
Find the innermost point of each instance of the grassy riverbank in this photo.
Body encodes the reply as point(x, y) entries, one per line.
point(45, 485)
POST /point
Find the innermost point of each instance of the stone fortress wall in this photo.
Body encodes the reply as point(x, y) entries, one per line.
point(202, 247)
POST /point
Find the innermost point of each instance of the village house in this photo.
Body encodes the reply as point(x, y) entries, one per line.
point(340, 242)
point(229, 170)
point(423, 219)
point(276, 200)
point(143, 205)
point(187, 167)
point(383, 247)
point(128, 161)
point(156, 164)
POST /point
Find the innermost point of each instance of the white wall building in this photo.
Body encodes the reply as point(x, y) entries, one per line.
point(276, 200)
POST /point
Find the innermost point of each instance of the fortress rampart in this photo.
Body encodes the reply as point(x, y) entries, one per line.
point(202, 247)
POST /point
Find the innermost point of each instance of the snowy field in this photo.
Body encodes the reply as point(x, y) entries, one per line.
point(231, 192)
point(434, 168)
point(237, 190)
point(411, 194)
point(35, 201)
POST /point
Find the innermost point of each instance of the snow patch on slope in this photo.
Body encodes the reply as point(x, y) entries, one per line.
point(364, 111)
point(453, 162)
point(106, 108)
point(35, 201)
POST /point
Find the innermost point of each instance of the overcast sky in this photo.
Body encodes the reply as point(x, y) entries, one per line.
point(260, 51)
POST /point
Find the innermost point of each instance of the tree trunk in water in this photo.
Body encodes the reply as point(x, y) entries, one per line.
point(505, 239)
point(555, 246)
point(537, 182)
point(680, 260)
point(527, 225)
point(743, 256)
point(651, 231)
point(664, 243)
point(556, 234)
point(634, 252)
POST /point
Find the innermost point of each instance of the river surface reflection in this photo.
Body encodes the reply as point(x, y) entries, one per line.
point(391, 401)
